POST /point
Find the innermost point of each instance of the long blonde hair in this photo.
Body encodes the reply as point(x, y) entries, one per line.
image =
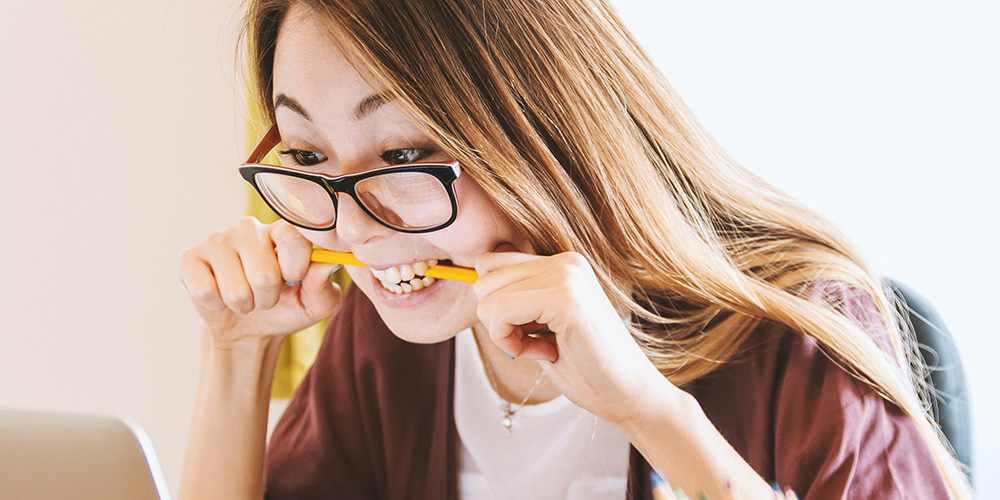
point(556, 111)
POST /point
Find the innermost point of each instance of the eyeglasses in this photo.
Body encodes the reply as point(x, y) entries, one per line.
point(410, 198)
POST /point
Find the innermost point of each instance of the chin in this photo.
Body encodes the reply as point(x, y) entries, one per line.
point(434, 314)
point(429, 334)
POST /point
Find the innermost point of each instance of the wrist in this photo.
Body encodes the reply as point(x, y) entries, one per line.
point(659, 405)
point(250, 346)
point(245, 365)
point(677, 439)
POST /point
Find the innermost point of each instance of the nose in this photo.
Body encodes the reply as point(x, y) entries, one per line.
point(354, 225)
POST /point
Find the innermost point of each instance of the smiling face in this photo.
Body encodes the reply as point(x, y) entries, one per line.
point(333, 121)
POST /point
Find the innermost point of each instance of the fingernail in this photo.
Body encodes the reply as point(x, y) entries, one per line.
point(508, 355)
point(541, 331)
point(657, 479)
point(336, 269)
point(544, 361)
point(291, 283)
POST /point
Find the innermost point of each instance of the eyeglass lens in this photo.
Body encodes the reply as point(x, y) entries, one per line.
point(402, 200)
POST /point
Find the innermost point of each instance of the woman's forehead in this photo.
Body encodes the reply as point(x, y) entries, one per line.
point(312, 67)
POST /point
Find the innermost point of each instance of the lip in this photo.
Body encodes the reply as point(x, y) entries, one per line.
point(381, 266)
point(404, 300)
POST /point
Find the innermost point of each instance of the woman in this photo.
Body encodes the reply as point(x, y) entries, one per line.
point(643, 302)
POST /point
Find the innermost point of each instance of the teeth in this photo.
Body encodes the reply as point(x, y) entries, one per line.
point(407, 277)
point(406, 272)
point(392, 275)
point(420, 268)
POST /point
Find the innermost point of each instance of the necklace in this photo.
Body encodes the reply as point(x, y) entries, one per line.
point(507, 410)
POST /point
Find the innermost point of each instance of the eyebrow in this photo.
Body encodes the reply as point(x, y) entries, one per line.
point(292, 104)
point(367, 106)
point(370, 104)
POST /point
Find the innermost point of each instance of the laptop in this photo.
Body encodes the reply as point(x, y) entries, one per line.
point(57, 456)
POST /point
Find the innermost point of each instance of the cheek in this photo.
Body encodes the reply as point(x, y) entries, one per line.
point(326, 239)
point(480, 227)
point(361, 277)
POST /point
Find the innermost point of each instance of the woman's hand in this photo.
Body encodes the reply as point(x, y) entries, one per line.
point(595, 361)
point(599, 367)
point(253, 280)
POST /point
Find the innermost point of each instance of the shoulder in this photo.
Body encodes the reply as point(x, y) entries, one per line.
point(801, 420)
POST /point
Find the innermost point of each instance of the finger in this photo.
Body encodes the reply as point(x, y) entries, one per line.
point(320, 296)
point(197, 277)
point(503, 269)
point(516, 311)
point(492, 261)
point(293, 251)
point(260, 268)
point(533, 346)
point(498, 270)
point(233, 286)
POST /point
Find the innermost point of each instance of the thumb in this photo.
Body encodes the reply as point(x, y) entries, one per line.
point(320, 296)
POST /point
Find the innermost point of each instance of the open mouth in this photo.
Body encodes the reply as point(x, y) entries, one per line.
point(406, 278)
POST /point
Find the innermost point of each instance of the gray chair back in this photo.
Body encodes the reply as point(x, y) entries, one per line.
point(950, 403)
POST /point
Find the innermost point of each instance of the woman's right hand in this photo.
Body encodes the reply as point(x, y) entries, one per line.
point(254, 280)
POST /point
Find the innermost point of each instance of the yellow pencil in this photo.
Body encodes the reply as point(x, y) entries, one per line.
point(453, 273)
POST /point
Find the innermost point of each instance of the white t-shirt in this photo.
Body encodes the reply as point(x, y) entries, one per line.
point(555, 449)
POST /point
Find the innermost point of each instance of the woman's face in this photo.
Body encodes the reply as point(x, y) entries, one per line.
point(323, 105)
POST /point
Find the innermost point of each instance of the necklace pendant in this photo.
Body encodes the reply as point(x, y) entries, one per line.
point(507, 420)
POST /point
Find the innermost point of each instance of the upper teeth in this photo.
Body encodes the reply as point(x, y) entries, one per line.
point(401, 279)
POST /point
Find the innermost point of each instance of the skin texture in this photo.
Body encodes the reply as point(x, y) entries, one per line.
point(253, 284)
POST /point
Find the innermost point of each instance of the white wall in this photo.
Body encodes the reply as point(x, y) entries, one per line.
point(883, 115)
point(119, 137)
point(120, 130)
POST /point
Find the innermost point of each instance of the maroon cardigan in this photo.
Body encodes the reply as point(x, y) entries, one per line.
point(373, 419)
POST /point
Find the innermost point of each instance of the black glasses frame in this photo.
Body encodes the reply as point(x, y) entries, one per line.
point(446, 173)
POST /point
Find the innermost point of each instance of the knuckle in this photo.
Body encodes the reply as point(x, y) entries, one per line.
point(203, 293)
point(187, 262)
point(573, 266)
point(238, 298)
point(484, 309)
point(290, 237)
point(282, 226)
point(264, 279)
point(575, 259)
point(215, 239)
point(247, 222)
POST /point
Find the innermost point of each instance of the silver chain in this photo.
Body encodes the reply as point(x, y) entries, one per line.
point(508, 411)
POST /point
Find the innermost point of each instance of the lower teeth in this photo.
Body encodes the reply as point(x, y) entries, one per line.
point(409, 286)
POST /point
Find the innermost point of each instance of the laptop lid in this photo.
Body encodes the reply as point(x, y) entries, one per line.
point(50, 456)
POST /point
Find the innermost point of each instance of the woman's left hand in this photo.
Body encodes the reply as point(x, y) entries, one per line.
point(595, 361)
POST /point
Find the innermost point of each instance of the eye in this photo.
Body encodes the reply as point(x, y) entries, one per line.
point(304, 158)
point(401, 156)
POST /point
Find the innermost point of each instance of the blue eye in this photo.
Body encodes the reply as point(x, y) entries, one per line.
point(304, 158)
point(401, 156)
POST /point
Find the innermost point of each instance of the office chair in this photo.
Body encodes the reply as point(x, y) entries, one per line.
point(950, 403)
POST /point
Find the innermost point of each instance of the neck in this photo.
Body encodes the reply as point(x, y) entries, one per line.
point(512, 378)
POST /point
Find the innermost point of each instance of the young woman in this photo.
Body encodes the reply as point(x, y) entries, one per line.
point(643, 302)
